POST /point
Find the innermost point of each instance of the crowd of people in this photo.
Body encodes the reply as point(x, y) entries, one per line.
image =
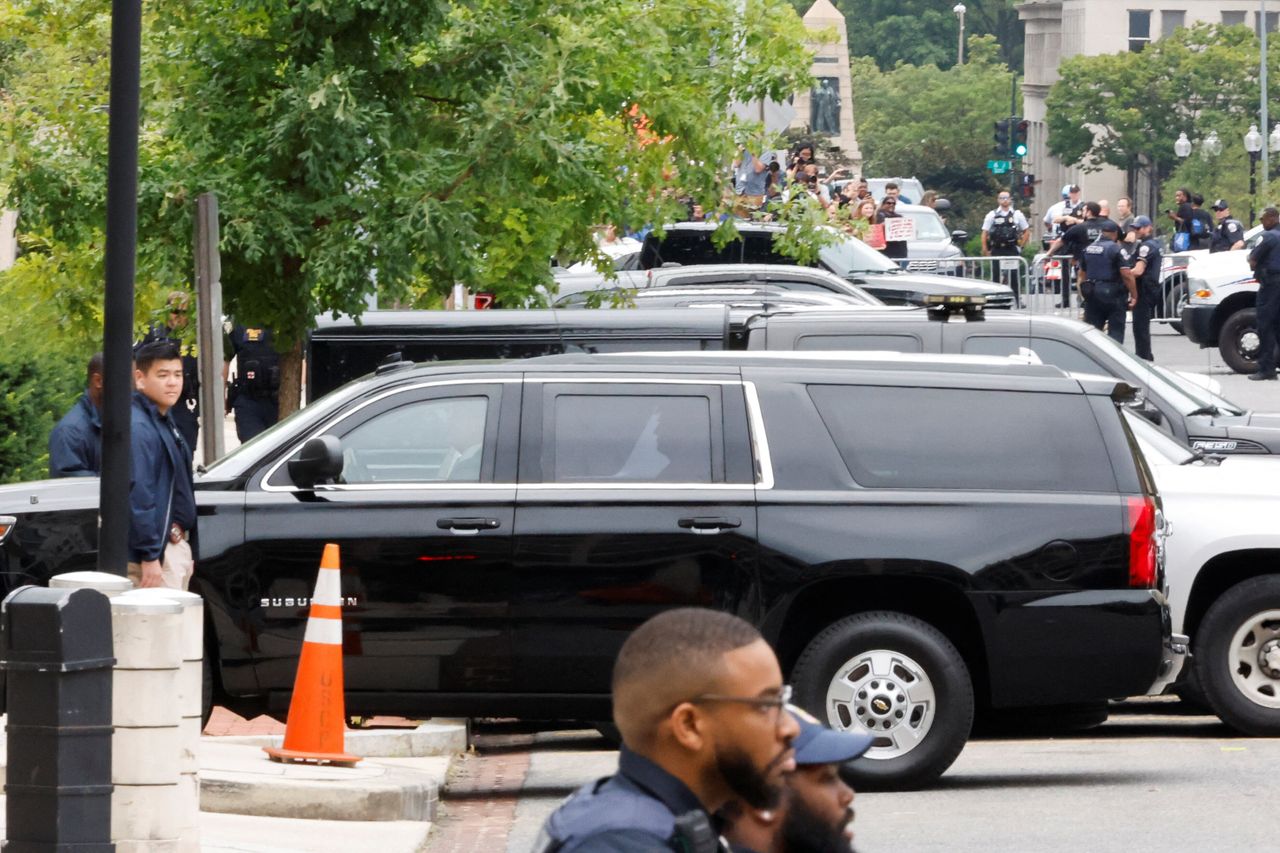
point(762, 186)
point(164, 425)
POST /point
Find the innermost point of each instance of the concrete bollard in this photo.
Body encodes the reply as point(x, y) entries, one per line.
point(108, 584)
point(146, 748)
point(190, 698)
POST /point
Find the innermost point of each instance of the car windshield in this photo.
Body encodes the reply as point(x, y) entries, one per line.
point(1156, 444)
point(929, 227)
point(849, 255)
point(242, 458)
point(1183, 394)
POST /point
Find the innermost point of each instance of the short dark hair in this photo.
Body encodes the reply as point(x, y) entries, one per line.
point(671, 653)
point(1093, 207)
point(1271, 211)
point(153, 351)
point(891, 186)
point(95, 367)
point(1185, 192)
point(1197, 199)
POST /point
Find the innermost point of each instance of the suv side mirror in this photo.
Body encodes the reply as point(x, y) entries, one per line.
point(959, 236)
point(319, 461)
point(1146, 410)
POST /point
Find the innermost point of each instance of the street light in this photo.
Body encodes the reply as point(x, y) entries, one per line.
point(1273, 140)
point(1212, 145)
point(1183, 146)
point(959, 9)
point(1253, 144)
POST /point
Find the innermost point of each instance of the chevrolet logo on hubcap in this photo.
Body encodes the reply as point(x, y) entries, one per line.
point(880, 705)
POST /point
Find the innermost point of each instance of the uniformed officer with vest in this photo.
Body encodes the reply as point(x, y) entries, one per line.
point(699, 701)
point(1144, 260)
point(1264, 260)
point(1109, 288)
point(254, 392)
point(185, 413)
point(1228, 234)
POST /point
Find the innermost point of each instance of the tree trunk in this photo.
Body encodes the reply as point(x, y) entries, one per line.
point(291, 380)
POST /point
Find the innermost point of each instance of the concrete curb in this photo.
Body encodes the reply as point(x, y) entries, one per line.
point(440, 737)
point(240, 779)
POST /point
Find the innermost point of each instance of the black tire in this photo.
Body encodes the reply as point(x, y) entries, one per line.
point(1238, 341)
point(921, 662)
point(1237, 656)
point(1175, 299)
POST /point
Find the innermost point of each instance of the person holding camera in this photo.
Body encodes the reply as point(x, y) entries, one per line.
point(802, 157)
point(750, 180)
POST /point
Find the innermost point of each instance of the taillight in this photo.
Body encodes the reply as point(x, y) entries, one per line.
point(6, 524)
point(1141, 518)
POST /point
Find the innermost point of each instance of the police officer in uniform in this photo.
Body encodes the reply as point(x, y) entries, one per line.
point(699, 701)
point(1144, 260)
point(1004, 233)
point(1228, 234)
point(254, 392)
point(1109, 287)
point(1264, 260)
point(185, 414)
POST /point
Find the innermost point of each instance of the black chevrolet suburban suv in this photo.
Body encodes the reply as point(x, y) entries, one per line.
point(919, 537)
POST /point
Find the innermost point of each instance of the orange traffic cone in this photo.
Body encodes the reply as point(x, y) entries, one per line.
point(317, 713)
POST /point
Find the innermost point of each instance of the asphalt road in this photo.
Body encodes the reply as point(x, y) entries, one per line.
point(1150, 779)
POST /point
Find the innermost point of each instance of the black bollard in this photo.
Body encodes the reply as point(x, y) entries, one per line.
point(57, 658)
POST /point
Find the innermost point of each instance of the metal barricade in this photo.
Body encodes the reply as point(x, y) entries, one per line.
point(1010, 270)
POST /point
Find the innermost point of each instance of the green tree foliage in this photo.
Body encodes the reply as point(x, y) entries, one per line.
point(1127, 109)
point(389, 146)
point(935, 124)
point(924, 32)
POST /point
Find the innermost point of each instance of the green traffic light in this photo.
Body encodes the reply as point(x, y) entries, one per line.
point(1020, 149)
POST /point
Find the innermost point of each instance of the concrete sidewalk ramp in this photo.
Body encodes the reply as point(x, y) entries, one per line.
point(225, 833)
point(240, 779)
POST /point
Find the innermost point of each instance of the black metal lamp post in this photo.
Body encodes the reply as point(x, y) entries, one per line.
point(1253, 144)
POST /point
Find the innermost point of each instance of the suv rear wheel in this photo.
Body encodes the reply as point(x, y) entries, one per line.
point(898, 679)
point(1237, 654)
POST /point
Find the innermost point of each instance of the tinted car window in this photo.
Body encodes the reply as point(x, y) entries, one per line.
point(631, 439)
point(861, 343)
point(1048, 351)
point(951, 438)
point(429, 441)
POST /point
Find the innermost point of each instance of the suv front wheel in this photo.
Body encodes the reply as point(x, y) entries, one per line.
point(1238, 341)
point(897, 678)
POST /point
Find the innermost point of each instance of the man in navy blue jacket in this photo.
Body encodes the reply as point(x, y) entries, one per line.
point(75, 445)
point(162, 507)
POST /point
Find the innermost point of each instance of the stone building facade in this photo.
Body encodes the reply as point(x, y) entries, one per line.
point(1059, 29)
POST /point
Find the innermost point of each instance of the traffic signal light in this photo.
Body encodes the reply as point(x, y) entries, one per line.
point(1002, 137)
point(1019, 140)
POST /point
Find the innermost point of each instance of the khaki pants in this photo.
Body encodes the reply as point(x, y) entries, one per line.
point(176, 568)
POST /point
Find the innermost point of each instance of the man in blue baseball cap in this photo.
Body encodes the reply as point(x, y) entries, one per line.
point(816, 813)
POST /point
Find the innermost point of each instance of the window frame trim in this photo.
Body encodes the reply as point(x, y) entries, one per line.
point(341, 415)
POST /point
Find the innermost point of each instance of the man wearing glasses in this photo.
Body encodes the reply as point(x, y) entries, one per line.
point(699, 701)
point(1004, 233)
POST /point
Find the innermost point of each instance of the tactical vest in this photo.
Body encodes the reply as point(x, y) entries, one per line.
point(616, 803)
point(257, 363)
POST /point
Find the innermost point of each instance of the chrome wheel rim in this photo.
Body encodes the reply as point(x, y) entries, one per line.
point(1253, 659)
point(887, 695)
point(1250, 343)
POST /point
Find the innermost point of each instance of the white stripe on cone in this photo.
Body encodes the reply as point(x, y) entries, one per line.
point(325, 631)
point(328, 588)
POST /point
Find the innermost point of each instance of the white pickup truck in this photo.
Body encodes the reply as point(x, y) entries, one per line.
point(1219, 309)
point(1222, 561)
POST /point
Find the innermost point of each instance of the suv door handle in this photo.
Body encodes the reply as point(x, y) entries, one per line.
point(468, 526)
point(707, 525)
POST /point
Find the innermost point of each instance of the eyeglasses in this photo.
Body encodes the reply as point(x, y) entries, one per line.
point(771, 705)
point(1004, 198)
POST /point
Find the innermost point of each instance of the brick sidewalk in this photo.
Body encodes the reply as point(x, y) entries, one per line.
point(478, 805)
